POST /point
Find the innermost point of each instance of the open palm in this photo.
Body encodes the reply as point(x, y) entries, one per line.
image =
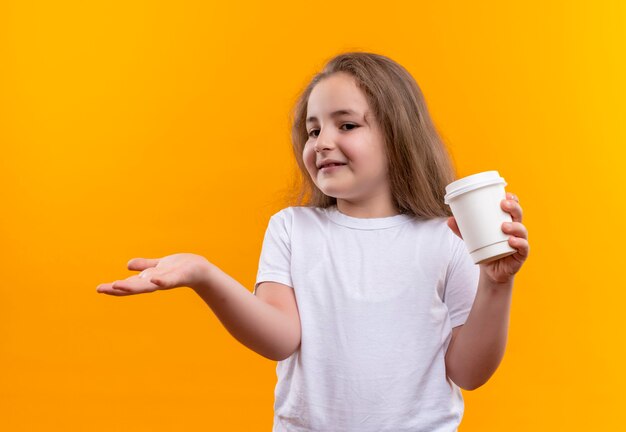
point(178, 270)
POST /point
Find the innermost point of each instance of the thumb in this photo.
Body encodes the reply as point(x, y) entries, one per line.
point(165, 280)
point(141, 263)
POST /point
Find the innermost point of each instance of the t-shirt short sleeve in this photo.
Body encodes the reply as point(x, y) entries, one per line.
point(461, 283)
point(275, 259)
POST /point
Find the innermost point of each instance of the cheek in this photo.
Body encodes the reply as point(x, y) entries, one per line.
point(353, 152)
point(308, 156)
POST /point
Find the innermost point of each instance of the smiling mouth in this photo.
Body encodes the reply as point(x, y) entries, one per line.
point(331, 165)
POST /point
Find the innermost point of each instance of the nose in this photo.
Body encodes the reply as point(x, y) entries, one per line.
point(323, 142)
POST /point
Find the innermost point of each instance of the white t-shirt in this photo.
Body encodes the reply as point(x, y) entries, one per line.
point(378, 299)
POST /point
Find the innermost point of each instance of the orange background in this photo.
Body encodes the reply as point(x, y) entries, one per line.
point(144, 129)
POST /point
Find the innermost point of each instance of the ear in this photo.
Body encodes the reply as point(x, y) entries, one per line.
point(454, 227)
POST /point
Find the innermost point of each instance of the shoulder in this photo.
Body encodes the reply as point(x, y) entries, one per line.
point(436, 233)
point(297, 217)
point(299, 214)
point(437, 228)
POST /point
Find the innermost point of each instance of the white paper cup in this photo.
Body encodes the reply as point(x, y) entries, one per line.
point(475, 203)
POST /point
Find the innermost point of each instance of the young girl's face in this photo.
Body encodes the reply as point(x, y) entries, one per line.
point(352, 138)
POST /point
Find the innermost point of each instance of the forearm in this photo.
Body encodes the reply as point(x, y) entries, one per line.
point(479, 346)
point(260, 326)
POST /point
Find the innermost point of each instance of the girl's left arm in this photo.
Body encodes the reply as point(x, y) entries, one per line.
point(478, 346)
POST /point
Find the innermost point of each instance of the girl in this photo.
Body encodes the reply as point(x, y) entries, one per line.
point(365, 295)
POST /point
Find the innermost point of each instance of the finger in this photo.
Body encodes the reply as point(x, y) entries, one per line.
point(121, 286)
point(113, 292)
point(512, 196)
point(142, 263)
point(454, 227)
point(522, 246)
point(146, 274)
point(512, 207)
point(135, 285)
point(515, 229)
point(110, 290)
point(117, 293)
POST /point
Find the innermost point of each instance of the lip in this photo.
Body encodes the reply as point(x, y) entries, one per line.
point(328, 161)
point(331, 168)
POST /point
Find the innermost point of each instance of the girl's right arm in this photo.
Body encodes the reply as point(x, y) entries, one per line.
point(272, 330)
point(263, 324)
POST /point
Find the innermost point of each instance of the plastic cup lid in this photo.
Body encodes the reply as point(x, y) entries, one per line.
point(472, 182)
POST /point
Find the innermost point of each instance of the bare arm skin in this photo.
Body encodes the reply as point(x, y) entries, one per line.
point(267, 323)
point(477, 347)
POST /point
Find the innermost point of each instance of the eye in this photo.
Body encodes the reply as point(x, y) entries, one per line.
point(312, 131)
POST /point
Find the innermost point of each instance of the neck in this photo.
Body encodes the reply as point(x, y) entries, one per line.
point(365, 211)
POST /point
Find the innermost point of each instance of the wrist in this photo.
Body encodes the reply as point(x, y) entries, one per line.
point(204, 275)
point(488, 283)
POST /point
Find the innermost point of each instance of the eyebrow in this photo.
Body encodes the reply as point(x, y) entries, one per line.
point(333, 114)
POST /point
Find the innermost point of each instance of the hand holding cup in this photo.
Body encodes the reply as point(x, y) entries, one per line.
point(495, 237)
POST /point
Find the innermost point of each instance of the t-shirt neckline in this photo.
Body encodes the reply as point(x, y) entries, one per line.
point(339, 218)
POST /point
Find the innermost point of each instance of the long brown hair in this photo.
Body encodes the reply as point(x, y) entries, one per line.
point(419, 164)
